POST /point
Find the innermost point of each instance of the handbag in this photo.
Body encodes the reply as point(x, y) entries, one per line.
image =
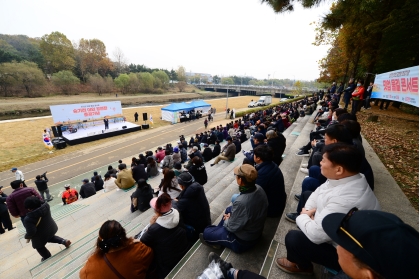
point(113, 268)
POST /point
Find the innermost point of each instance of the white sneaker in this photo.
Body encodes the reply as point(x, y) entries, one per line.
point(304, 165)
point(304, 170)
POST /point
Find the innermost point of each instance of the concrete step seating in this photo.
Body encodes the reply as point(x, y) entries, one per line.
point(80, 222)
point(195, 261)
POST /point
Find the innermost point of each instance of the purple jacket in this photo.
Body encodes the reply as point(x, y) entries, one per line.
point(15, 200)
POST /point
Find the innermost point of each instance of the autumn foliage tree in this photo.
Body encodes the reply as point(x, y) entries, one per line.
point(58, 52)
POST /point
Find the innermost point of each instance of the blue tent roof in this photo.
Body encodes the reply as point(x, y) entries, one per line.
point(199, 103)
point(177, 107)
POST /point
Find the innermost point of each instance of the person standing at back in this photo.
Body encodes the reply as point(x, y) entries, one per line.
point(16, 199)
point(41, 184)
point(19, 175)
point(4, 214)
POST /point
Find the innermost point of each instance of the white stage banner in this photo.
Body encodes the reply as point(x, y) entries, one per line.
point(86, 111)
point(401, 85)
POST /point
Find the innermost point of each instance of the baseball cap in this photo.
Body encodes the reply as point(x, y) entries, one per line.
point(247, 171)
point(205, 145)
point(13, 169)
point(176, 150)
point(85, 180)
point(67, 186)
point(163, 209)
point(379, 239)
point(259, 137)
point(229, 138)
point(185, 179)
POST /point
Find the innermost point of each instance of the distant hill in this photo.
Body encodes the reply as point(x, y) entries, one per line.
point(20, 47)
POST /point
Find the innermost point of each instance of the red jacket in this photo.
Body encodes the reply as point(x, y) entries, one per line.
point(16, 199)
point(358, 92)
point(160, 155)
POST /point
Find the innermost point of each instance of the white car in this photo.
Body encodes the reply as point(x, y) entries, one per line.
point(252, 105)
point(283, 99)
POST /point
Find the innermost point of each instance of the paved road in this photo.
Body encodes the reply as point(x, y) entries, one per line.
point(72, 168)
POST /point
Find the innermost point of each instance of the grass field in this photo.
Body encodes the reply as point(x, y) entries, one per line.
point(19, 148)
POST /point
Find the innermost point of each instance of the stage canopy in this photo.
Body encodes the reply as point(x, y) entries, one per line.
point(201, 105)
point(170, 112)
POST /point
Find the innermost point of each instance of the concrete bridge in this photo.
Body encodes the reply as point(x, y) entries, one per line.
point(241, 90)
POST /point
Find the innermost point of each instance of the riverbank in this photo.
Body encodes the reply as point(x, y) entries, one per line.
point(21, 141)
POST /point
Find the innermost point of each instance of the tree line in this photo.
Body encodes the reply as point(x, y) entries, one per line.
point(367, 37)
point(53, 63)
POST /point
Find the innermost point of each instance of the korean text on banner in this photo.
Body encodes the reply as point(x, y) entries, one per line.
point(400, 85)
point(85, 111)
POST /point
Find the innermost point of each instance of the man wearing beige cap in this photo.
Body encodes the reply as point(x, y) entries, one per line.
point(243, 222)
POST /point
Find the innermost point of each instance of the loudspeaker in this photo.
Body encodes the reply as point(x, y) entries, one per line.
point(59, 131)
point(145, 126)
point(54, 130)
point(144, 116)
point(61, 144)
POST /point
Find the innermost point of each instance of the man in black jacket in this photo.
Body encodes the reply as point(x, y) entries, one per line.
point(87, 189)
point(41, 185)
point(216, 149)
point(237, 144)
point(207, 153)
point(4, 214)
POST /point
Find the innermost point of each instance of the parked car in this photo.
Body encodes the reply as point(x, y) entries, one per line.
point(252, 105)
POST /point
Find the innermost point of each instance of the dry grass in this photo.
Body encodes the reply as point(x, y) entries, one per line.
point(17, 148)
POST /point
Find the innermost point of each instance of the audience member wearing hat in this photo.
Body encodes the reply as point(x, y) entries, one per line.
point(125, 178)
point(165, 235)
point(207, 153)
point(18, 174)
point(374, 244)
point(243, 222)
point(228, 152)
point(69, 195)
point(192, 204)
point(4, 214)
point(344, 189)
point(87, 189)
point(176, 156)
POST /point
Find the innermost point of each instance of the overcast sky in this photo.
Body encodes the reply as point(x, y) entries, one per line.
point(219, 37)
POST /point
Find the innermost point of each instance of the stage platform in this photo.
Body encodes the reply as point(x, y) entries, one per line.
point(98, 132)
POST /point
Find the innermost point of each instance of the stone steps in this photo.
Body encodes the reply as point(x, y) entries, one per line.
point(196, 259)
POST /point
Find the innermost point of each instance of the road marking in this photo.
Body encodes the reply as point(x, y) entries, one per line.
point(160, 135)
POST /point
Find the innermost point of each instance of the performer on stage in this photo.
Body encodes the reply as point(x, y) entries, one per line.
point(106, 121)
point(136, 117)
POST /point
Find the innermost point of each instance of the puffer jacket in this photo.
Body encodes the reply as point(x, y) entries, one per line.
point(194, 207)
point(270, 178)
point(168, 240)
point(168, 162)
point(46, 228)
point(335, 196)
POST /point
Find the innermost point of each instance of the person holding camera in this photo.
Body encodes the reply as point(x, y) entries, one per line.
point(41, 184)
